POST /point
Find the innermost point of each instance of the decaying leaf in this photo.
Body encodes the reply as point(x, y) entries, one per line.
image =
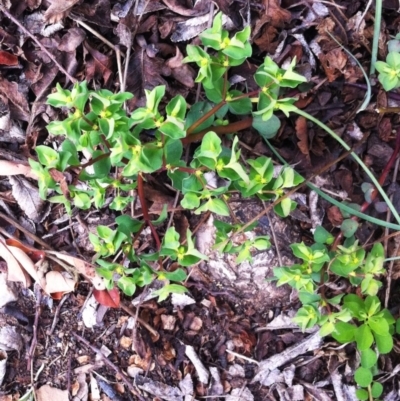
point(58, 10)
point(183, 73)
point(8, 168)
point(58, 282)
point(27, 197)
point(10, 339)
point(46, 393)
point(18, 102)
point(98, 66)
point(302, 134)
point(14, 269)
point(8, 59)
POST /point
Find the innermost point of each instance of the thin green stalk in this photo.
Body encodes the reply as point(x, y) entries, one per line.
point(377, 31)
point(355, 157)
point(342, 206)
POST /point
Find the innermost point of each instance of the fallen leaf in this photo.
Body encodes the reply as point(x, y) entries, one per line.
point(58, 282)
point(46, 393)
point(71, 40)
point(17, 101)
point(13, 168)
point(14, 269)
point(183, 73)
point(109, 298)
point(276, 15)
point(99, 66)
point(8, 59)
point(58, 10)
point(302, 134)
point(33, 253)
point(25, 261)
point(86, 269)
point(27, 197)
point(333, 63)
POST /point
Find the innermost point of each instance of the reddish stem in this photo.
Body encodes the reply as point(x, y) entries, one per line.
point(145, 210)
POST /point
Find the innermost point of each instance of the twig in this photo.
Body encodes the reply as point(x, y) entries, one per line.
point(57, 314)
point(141, 321)
point(95, 33)
point(20, 26)
point(25, 231)
point(38, 311)
point(109, 364)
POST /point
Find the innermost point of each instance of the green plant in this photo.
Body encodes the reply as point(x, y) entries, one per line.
point(112, 153)
point(348, 318)
point(389, 71)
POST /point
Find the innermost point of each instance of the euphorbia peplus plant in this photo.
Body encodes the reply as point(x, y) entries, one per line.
point(112, 153)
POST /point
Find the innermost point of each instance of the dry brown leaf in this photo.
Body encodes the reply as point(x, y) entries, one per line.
point(333, 63)
point(17, 101)
point(183, 73)
point(277, 15)
point(302, 134)
point(58, 10)
point(99, 66)
point(86, 269)
point(71, 40)
point(27, 197)
point(14, 269)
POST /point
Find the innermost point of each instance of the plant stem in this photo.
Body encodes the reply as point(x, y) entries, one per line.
point(201, 120)
point(221, 129)
point(354, 155)
point(145, 210)
point(377, 31)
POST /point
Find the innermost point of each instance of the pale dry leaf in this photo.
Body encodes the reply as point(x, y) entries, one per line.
point(159, 389)
point(71, 40)
point(24, 260)
point(27, 197)
point(89, 312)
point(10, 339)
point(15, 271)
point(7, 294)
point(3, 364)
point(83, 388)
point(58, 282)
point(13, 168)
point(84, 268)
point(58, 10)
point(46, 393)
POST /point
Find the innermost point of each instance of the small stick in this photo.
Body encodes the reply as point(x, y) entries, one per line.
point(24, 230)
point(38, 311)
point(57, 314)
point(20, 26)
point(109, 364)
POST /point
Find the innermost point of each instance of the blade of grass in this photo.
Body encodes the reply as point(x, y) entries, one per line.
point(377, 31)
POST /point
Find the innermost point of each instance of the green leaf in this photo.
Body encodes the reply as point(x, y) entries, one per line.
point(164, 292)
point(172, 130)
point(190, 201)
point(127, 285)
point(128, 225)
point(364, 337)
point(197, 111)
point(363, 377)
point(368, 358)
point(209, 151)
point(376, 389)
point(47, 156)
point(82, 201)
point(177, 107)
point(362, 394)
point(384, 343)
point(178, 275)
point(348, 227)
point(163, 216)
point(322, 236)
point(267, 129)
point(214, 205)
point(170, 242)
point(344, 332)
point(378, 325)
point(284, 207)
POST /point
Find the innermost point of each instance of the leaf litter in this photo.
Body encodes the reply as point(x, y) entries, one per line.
point(207, 343)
